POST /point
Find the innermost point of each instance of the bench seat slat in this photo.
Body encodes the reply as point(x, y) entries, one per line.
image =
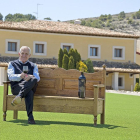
point(59, 104)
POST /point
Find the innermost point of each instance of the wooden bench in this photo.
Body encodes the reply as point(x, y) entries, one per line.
point(57, 91)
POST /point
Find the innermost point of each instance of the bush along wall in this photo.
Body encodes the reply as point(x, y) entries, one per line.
point(72, 60)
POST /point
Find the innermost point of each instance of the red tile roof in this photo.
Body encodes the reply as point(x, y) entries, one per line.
point(62, 28)
point(108, 70)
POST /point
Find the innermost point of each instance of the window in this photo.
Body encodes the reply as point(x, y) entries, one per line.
point(118, 52)
point(130, 75)
point(94, 51)
point(137, 80)
point(39, 48)
point(12, 46)
point(121, 82)
point(68, 46)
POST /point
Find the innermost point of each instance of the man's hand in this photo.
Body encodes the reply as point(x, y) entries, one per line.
point(22, 75)
point(27, 77)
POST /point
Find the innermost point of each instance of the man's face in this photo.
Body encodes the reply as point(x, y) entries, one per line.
point(24, 55)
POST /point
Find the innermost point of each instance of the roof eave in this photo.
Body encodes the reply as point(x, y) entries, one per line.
point(73, 33)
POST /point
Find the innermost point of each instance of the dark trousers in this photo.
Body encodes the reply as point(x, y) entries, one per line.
point(26, 89)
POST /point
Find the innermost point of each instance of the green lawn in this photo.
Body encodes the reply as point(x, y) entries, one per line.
point(122, 123)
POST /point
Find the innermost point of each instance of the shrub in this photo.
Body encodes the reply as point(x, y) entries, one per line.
point(82, 67)
point(108, 24)
point(137, 87)
point(65, 52)
point(68, 60)
point(137, 14)
point(72, 53)
point(83, 22)
point(133, 16)
point(77, 56)
point(71, 63)
point(60, 57)
point(127, 18)
point(65, 61)
point(77, 65)
point(120, 19)
point(130, 21)
point(121, 15)
point(109, 17)
point(89, 65)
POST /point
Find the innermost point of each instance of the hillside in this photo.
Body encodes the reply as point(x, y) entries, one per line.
point(126, 25)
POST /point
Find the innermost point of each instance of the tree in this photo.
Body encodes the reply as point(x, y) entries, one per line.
point(60, 58)
point(89, 65)
point(130, 21)
point(8, 17)
point(48, 18)
point(72, 53)
point(97, 24)
point(121, 15)
point(109, 17)
point(19, 17)
point(137, 87)
point(77, 57)
point(108, 24)
point(65, 51)
point(137, 14)
point(71, 63)
point(65, 61)
point(83, 22)
point(103, 17)
point(30, 17)
point(1, 16)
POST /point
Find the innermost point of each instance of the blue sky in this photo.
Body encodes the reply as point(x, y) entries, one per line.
point(68, 9)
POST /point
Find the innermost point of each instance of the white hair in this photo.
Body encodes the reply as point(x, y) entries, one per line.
point(25, 47)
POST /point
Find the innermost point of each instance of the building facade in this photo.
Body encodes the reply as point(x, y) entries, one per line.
point(45, 38)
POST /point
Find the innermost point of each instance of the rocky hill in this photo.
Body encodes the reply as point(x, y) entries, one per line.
point(128, 25)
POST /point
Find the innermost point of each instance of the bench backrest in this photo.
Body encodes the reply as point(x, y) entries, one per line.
point(61, 82)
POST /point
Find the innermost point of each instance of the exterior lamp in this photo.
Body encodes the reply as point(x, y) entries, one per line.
point(82, 85)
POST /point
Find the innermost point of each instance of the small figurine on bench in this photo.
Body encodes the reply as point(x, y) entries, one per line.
point(23, 76)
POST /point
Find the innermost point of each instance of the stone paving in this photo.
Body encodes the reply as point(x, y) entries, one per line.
point(124, 92)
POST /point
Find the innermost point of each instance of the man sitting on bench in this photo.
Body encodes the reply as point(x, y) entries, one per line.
point(23, 76)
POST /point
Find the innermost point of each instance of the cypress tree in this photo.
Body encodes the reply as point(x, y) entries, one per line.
point(72, 53)
point(65, 52)
point(89, 64)
point(137, 87)
point(71, 63)
point(60, 57)
point(65, 61)
point(77, 56)
point(77, 65)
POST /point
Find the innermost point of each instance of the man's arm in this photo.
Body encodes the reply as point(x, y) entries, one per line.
point(35, 73)
point(11, 73)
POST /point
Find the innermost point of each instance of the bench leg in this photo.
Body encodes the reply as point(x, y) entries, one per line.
point(15, 114)
point(95, 120)
point(103, 114)
point(102, 119)
point(4, 116)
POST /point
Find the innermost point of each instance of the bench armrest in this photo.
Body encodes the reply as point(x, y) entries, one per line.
point(99, 86)
point(6, 82)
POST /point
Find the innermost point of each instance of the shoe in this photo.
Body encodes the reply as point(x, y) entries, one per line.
point(31, 121)
point(16, 100)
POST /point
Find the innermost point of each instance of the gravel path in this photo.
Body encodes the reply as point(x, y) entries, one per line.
point(124, 92)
